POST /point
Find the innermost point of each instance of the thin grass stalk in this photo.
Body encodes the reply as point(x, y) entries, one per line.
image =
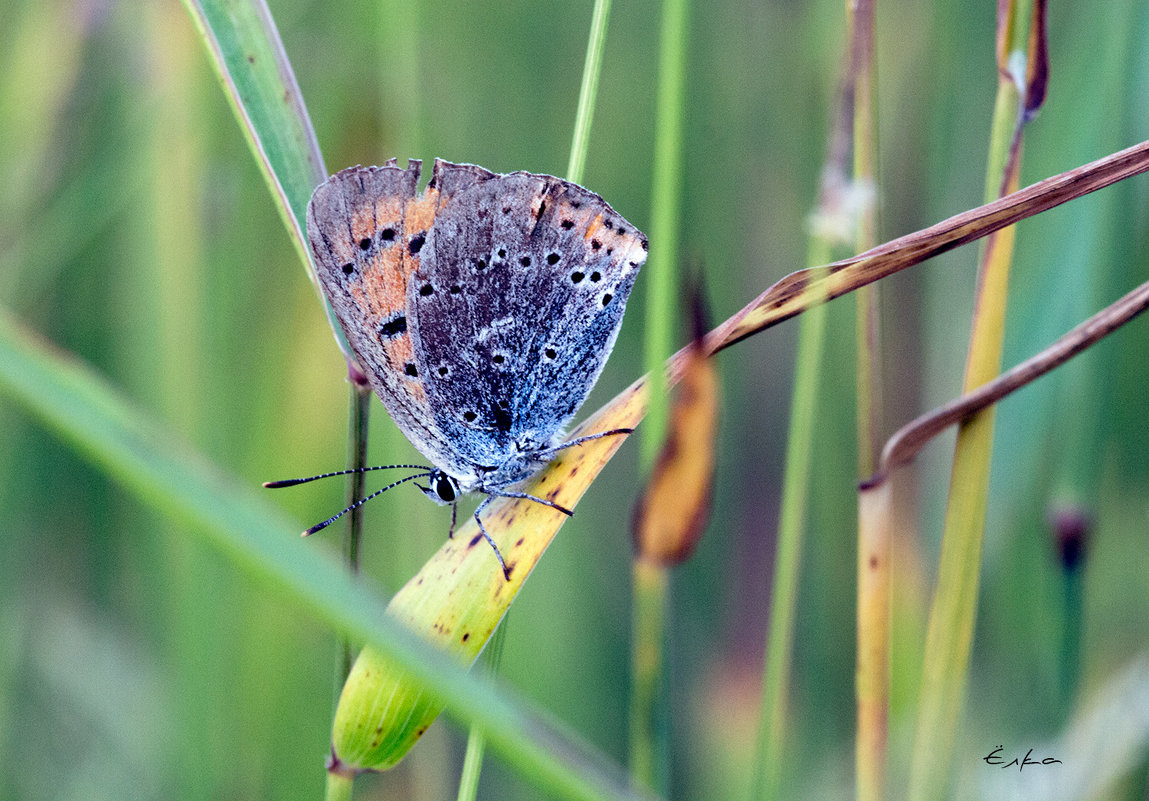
point(649, 734)
point(661, 269)
point(767, 780)
point(339, 787)
point(359, 411)
point(872, 668)
point(954, 607)
point(477, 738)
point(649, 742)
point(580, 144)
point(588, 91)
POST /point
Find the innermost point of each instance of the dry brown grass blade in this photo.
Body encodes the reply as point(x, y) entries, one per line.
point(788, 297)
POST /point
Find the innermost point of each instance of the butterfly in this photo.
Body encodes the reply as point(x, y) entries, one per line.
point(482, 310)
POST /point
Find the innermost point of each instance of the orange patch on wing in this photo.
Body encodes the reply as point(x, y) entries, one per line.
point(400, 352)
point(593, 231)
point(418, 218)
point(384, 282)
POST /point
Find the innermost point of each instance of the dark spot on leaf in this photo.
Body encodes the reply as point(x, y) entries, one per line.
point(475, 540)
point(466, 636)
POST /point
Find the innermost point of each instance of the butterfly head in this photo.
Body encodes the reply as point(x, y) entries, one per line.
point(442, 488)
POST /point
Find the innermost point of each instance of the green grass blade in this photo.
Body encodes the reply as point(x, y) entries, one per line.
point(665, 211)
point(953, 610)
point(588, 91)
point(85, 411)
point(249, 58)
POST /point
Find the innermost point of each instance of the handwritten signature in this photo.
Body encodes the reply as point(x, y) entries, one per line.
point(995, 757)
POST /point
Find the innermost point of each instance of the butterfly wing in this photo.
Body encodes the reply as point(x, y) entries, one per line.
point(513, 310)
point(366, 226)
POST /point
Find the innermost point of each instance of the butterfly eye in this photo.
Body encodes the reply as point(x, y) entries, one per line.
point(445, 487)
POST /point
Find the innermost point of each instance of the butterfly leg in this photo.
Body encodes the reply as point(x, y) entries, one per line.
point(549, 452)
point(536, 499)
point(454, 511)
point(487, 537)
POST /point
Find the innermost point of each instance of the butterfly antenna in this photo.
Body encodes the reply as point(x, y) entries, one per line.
point(361, 501)
point(291, 482)
point(546, 453)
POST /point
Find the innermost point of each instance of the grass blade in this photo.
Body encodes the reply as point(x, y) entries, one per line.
point(146, 458)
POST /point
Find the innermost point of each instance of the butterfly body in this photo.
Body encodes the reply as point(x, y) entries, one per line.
point(482, 309)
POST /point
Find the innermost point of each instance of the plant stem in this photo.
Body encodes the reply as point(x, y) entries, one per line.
point(665, 210)
point(649, 746)
point(476, 738)
point(766, 781)
point(588, 91)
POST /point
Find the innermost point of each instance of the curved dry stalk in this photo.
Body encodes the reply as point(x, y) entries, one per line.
point(910, 438)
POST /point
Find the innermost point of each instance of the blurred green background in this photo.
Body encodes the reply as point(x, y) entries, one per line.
point(137, 233)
